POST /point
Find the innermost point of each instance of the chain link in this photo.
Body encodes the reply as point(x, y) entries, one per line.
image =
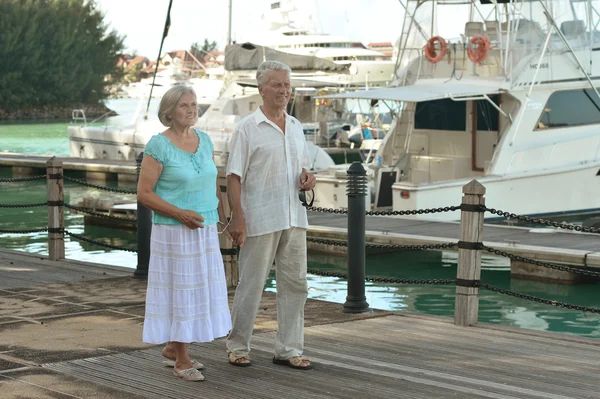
point(24, 205)
point(111, 189)
point(413, 247)
point(339, 243)
point(45, 229)
point(540, 300)
point(383, 279)
point(20, 179)
point(327, 210)
point(82, 238)
point(414, 211)
point(100, 215)
point(562, 268)
point(528, 219)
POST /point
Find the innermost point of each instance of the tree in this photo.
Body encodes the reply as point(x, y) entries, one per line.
point(200, 51)
point(54, 52)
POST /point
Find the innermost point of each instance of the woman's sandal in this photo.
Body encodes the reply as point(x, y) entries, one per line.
point(233, 360)
point(189, 375)
point(195, 364)
point(294, 362)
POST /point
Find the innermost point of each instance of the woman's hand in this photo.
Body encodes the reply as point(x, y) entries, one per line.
point(190, 219)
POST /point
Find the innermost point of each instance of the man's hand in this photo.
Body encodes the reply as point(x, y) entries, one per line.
point(190, 219)
point(307, 180)
point(237, 229)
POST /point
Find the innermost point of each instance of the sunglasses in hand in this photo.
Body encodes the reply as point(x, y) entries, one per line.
point(307, 198)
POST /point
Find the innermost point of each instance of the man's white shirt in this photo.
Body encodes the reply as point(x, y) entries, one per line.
point(269, 164)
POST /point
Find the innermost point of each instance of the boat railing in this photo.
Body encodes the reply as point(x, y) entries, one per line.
point(79, 115)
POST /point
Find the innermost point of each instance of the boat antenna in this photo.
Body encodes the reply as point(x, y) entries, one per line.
point(165, 33)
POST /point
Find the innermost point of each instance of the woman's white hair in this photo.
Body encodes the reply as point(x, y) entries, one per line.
point(269, 66)
point(169, 101)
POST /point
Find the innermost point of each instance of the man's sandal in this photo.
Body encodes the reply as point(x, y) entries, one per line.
point(294, 362)
point(234, 360)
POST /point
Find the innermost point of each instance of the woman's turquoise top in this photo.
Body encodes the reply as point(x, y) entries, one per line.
point(188, 181)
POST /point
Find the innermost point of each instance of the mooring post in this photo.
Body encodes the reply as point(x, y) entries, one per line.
point(144, 229)
point(356, 301)
point(56, 210)
point(469, 254)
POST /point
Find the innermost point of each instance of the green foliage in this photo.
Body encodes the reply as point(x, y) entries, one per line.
point(200, 51)
point(54, 52)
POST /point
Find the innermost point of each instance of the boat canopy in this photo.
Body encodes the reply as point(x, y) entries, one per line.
point(248, 56)
point(423, 92)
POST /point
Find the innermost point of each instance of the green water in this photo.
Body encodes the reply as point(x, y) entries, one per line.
point(42, 138)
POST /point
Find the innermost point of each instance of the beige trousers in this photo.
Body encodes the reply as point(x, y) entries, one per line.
point(288, 249)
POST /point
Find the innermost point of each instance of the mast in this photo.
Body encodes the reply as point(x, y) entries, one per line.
point(229, 11)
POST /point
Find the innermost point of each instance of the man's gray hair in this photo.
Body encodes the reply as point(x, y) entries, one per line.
point(269, 66)
point(169, 101)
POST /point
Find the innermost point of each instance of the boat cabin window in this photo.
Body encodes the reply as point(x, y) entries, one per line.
point(444, 114)
point(570, 108)
point(487, 114)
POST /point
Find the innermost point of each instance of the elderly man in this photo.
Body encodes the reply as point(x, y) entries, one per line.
point(267, 171)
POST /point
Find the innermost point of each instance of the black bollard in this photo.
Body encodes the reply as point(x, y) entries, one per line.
point(356, 301)
point(144, 228)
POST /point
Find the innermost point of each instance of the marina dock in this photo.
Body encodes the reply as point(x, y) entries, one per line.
point(73, 329)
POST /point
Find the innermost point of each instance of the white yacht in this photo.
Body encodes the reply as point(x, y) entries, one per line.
point(366, 67)
point(508, 99)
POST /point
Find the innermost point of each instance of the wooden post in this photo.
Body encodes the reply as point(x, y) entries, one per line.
point(469, 255)
point(56, 210)
point(230, 260)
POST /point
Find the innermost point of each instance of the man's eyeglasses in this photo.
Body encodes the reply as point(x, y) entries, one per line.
point(307, 198)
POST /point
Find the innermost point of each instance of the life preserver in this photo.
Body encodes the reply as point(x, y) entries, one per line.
point(429, 49)
point(479, 51)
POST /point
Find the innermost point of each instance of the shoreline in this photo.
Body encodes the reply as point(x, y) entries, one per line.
point(55, 112)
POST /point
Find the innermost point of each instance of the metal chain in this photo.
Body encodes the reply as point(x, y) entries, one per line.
point(24, 231)
point(335, 243)
point(326, 210)
point(414, 211)
point(562, 268)
point(540, 300)
point(383, 279)
point(528, 219)
point(82, 238)
point(111, 189)
point(99, 215)
point(413, 247)
point(20, 179)
point(23, 205)
point(339, 243)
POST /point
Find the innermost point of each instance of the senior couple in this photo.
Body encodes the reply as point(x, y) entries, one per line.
point(186, 300)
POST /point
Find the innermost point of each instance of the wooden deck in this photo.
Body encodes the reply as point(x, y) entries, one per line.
point(83, 341)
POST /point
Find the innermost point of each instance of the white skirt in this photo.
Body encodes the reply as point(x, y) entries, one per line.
point(186, 300)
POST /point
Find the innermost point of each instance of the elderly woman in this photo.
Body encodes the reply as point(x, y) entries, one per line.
point(186, 300)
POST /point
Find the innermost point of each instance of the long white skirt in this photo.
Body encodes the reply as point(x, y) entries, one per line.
point(186, 300)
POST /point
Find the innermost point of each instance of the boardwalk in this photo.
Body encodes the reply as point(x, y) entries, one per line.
point(71, 330)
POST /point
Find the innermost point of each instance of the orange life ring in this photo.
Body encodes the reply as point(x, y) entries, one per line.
point(429, 48)
point(480, 51)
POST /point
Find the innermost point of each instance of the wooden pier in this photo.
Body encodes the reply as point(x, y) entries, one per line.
point(73, 329)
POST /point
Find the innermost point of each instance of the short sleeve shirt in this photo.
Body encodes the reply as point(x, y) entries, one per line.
point(269, 164)
point(188, 181)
